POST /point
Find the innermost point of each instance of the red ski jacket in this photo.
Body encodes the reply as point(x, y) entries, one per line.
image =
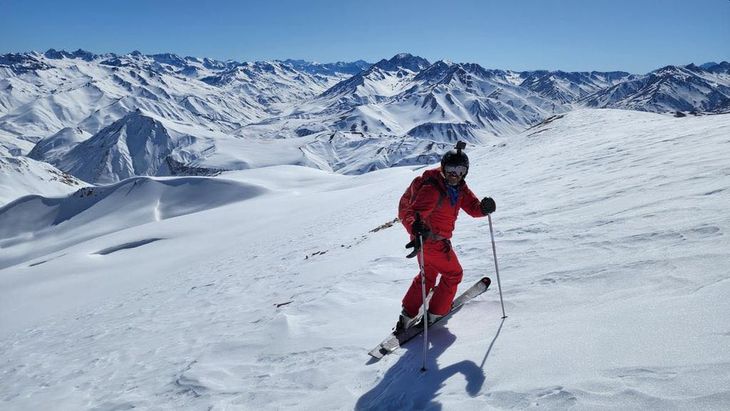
point(429, 197)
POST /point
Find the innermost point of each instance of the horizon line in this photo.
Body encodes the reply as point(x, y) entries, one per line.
point(231, 60)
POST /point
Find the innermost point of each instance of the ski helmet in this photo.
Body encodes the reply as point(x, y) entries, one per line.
point(456, 157)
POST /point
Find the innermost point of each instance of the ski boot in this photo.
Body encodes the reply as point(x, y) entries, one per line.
point(404, 322)
point(432, 318)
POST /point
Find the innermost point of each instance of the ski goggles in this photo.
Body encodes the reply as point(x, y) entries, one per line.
point(456, 170)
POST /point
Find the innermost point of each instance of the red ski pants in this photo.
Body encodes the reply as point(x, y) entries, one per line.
point(439, 259)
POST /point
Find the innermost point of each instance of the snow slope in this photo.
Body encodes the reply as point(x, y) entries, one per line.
point(613, 247)
point(21, 176)
point(52, 149)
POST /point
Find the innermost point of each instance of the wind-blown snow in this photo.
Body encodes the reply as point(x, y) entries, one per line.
point(55, 223)
point(267, 289)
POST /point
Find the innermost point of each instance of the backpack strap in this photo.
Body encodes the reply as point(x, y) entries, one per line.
point(434, 182)
point(409, 196)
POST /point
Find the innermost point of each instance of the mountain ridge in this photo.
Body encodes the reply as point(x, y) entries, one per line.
point(354, 109)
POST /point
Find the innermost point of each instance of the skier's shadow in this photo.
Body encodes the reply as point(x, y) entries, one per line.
point(405, 387)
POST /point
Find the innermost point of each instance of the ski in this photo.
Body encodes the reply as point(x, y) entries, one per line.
point(394, 341)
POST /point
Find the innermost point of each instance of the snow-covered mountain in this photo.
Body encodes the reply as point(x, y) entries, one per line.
point(263, 289)
point(470, 101)
point(270, 84)
point(399, 99)
point(402, 102)
point(345, 117)
point(569, 87)
point(40, 94)
point(21, 176)
point(135, 145)
point(383, 79)
point(52, 149)
point(670, 89)
point(717, 68)
point(273, 186)
point(356, 153)
point(329, 68)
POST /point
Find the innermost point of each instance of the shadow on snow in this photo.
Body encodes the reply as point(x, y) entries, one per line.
point(404, 386)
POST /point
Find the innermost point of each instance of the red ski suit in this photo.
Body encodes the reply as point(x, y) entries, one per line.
point(433, 204)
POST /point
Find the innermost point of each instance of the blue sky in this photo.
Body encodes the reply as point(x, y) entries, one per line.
point(636, 36)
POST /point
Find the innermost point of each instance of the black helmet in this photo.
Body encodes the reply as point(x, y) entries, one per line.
point(456, 157)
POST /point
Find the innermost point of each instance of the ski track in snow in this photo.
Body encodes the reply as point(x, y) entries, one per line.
point(612, 238)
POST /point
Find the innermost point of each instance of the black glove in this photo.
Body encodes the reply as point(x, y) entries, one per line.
point(415, 244)
point(488, 205)
point(419, 228)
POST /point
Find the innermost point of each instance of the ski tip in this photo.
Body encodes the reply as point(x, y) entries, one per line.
point(375, 355)
point(378, 353)
point(486, 281)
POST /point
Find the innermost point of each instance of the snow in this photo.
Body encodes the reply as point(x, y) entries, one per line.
point(265, 288)
point(134, 145)
point(56, 146)
point(21, 176)
point(73, 92)
point(213, 110)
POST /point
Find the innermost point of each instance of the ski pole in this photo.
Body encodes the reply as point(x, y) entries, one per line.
point(422, 263)
point(496, 266)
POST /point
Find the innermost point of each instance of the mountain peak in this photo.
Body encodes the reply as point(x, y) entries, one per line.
point(435, 71)
point(403, 61)
point(722, 67)
point(54, 54)
point(310, 67)
point(60, 54)
point(444, 72)
point(169, 58)
point(134, 145)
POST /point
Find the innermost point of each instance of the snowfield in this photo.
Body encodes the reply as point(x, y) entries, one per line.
point(20, 176)
point(264, 289)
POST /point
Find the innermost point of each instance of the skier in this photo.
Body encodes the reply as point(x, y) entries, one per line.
point(428, 209)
